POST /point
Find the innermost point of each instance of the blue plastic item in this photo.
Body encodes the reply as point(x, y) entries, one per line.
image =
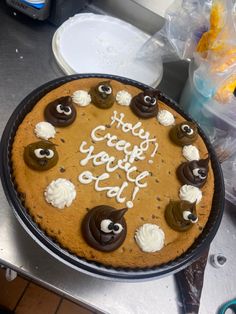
point(34, 5)
point(228, 305)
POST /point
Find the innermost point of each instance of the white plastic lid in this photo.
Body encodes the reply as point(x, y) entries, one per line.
point(91, 43)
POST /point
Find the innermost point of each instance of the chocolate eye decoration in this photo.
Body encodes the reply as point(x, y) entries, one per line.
point(117, 228)
point(181, 215)
point(105, 89)
point(64, 109)
point(145, 104)
point(41, 155)
point(188, 215)
point(193, 172)
point(184, 133)
point(201, 173)
point(185, 128)
point(102, 95)
point(104, 228)
point(150, 100)
point(60, 112)
point(106, 225)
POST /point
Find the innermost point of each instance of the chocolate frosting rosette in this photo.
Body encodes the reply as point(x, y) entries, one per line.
point(60, 112)
point(145, 104)
point(184, 133)
point(41, 155)
point(102, 95)
point(194, 172)
point(104, 228)
point(181, 215)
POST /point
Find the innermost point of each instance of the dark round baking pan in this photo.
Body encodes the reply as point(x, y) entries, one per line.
point(96, 269)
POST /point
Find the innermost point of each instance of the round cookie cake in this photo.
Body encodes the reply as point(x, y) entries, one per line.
point(113, 174)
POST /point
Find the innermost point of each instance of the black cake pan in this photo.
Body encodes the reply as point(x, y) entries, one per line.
point(81, 264)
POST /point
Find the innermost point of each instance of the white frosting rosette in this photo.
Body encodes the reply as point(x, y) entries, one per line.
point(191, 152)
point(81, 98)
point(150, 238)
point(190, 193)
point(123, 98)
point(44, 130)
point(165, 117)
point(60, 193)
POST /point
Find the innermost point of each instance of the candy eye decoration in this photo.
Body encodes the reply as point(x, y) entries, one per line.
point(41, 155)
point(194, 172)
point(108, 226)
point(184, 133)
point(181, 215)
point(105, 89)
point(60, 112)
point(150, 100)
point(188, 215)
point(64, 109)
point(145, 104)
point(186, 129)
point(200, 173)
point(104, 228)
point(102, 95)
point(117, 228)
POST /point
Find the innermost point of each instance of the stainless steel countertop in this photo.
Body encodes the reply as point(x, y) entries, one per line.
point(26, 61)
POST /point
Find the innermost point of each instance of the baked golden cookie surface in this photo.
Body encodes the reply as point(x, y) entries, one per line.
point(78, 145)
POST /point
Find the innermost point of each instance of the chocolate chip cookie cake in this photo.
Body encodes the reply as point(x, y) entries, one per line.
point(112, 173)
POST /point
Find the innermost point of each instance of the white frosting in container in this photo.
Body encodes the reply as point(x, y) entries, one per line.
point(123, 98)
point(45, 130)
point(165, 117)
point(60, 193)
point(191, 152)
point(150, 238)
point(190, 193)
point(81, 98)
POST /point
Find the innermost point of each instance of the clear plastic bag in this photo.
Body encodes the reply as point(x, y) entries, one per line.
point(186, 21)
point(224, 143)
point(229, 170)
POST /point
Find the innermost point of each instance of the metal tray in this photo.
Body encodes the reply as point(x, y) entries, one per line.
point(81, 264)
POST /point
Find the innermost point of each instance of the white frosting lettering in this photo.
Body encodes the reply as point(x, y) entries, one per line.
point(155, 150)
point(131, 154)
point(87, 177)
point(141, 133)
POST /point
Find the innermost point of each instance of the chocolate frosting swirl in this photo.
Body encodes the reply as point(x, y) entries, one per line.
point(60, 112)
point(102, 95)
point(145, 104)
point(175, 218)
point(41, 155)
point(194, 172)
point(104, 228)
point(184, 133)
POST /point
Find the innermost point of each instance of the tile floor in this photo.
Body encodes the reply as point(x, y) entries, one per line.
point(25, 297)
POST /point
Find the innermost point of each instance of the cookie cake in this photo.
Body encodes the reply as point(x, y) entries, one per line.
point(113, 174)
